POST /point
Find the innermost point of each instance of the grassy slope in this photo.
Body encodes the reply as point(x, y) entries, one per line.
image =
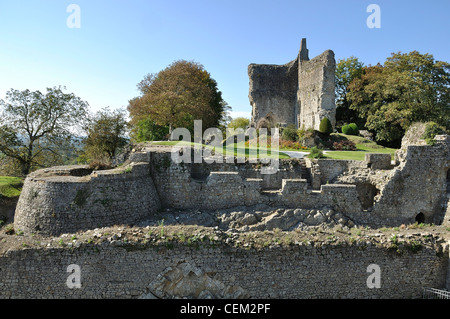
point(239, 149)
point(363, 146)
point(10, 186)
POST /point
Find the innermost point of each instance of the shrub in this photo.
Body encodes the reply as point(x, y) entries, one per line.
point(305, 133)
point(431, 130)
point(316, 153)
point(354, 128)
point(344, 145)
point(325, 126)
point(350, 129)
point(289, 134)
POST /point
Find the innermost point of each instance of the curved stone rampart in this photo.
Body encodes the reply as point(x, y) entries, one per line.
point(69, 199)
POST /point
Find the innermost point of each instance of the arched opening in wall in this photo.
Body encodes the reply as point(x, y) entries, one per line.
point(366, 195)
point(420, 218)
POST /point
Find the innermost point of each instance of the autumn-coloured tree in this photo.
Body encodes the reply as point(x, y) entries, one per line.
point(178, 95)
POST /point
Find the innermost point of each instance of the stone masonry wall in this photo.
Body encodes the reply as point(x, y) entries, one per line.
point(316, 96)
point(418, 185)
point(300, 92)
point(53, 201)
point(244, 186)
point(301, 270)
point(273, 88)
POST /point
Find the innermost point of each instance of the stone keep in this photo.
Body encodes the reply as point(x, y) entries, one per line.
point(300, 92)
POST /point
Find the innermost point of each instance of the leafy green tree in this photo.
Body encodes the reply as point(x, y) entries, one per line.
point(408, 88)
point(147, 130)
point(431, 130)
point(106, 134)
point(346, 71)
point(36, 127)
point(239, 122)
point(178, 95)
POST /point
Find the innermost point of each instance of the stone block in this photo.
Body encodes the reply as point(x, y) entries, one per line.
point(378, 161)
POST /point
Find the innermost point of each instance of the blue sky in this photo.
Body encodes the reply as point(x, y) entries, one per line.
point(119, 42)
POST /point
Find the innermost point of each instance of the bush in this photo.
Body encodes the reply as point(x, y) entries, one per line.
point(350, 129)
point(354, 128)
point(325, 126)
point(316, 153)
point(289, 134)
point(303, 133)
point(344, 145)
point(431, 130)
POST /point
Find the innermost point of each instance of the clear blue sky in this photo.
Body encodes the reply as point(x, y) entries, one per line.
point(119, 42)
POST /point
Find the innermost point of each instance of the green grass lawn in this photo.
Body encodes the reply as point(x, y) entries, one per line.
point(10, 186)
point(239, 149)
point(363, 146)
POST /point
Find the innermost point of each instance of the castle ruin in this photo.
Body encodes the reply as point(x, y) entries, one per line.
point(299, 93)
point(154, 228)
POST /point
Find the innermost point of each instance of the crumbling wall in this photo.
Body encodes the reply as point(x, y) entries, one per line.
point(300, 92)
point(273, 89)
point(243, 185)
point(417, 186)
point(413, 191)
point(62, 200)
point(316, 96)
point(303, 269)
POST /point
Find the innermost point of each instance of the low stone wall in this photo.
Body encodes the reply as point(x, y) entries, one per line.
point(67, 199)
point(244, 185)
point(300, 270)
point(324, 171)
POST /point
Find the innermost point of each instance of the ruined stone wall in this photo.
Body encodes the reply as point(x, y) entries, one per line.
point(56, 200)
point(300, 92)
point(415, 190)
point(418, 185)
point(324, 171)
point(300, 270)
point(273, 89)
point(243, 185)
point(316, 96)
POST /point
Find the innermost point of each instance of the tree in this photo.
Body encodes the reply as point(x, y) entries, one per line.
point(346, 71)
point(34, 127)
point(408, 88)
point(178, 95)
point(147, 130)
point(106, 133)
point(239, 122)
